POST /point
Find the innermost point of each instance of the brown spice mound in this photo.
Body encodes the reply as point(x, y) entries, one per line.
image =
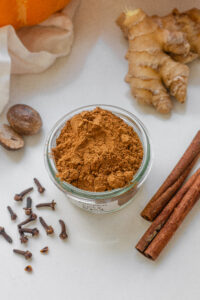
point(97, 151)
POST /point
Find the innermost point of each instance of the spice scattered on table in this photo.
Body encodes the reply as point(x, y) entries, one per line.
point(23, 237)
point(9, 139)
point(13, 215)
point(20, 197)
point(28, 208)
point(48, 204)
point(27, 254)
point(32, 231)
point(26, 232)
point(159, 48)
point(44, 250)
point(32, 217)
point(28, 269)
point(153, 75)
point(24, 119)
point(173, 181)
point(165, 225)
point(159, 222)
point(49, 229)
point(40, 188)
point(63, 235)
point(169, 211)
point(97, 151)
point(5, 235)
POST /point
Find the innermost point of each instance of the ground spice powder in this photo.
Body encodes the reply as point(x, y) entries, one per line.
point(97, 151)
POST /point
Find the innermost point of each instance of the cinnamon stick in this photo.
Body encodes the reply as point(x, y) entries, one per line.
point(153, 208)
point(173, 181)
point(159, 222)
point(174, 221)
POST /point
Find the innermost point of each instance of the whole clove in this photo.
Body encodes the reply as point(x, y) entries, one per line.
point(40, 188)
point(5, 235)
point(23, 237)
point(28, 269)
point(28, 208)
point(63, 235)
point(12, 214)
point(28, 220)
point(48, 229)
point(44, 250)
point(32, 231)
point(27, 254)
point(19, 197)
point(51, 204)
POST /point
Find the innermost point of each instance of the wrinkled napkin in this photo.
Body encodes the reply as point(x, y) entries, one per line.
point(34, 49)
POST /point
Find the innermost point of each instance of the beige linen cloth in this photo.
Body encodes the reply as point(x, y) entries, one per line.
point(34, 49)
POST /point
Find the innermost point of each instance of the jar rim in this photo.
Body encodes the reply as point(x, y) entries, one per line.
point(138, 178)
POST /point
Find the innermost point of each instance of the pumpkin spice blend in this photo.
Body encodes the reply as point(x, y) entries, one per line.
point(97, 151)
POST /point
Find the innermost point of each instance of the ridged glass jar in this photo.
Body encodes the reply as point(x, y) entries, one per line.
point(109, 201)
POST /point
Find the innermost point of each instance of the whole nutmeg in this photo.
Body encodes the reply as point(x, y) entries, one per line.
point(24, 119)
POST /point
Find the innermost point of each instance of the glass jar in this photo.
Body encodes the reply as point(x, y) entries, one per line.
point(109, 201)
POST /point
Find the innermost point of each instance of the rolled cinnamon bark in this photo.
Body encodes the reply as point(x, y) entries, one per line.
point(174, 221)
point(173, 181)
point(165, 214)
point(154, 208)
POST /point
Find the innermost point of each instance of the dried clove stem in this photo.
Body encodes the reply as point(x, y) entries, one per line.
point(5, 235)
point(28, 210)
point(31, 218)
point(63, 235)
point(44, 250)
point(33, 231)
point(27, 254)
point(12, 214)
point(49, 204)
point(48, 229)
point(19, 197)
point(41, 189)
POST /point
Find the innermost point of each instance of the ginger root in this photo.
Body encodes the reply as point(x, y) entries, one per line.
point(154, 45)
point(187, 22)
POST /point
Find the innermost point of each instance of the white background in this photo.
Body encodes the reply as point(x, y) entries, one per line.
point(99, 260)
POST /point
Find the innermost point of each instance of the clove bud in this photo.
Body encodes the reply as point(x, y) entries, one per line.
point(12, 214)
point(5, 235)
point(63, 235)
point(27, 254)
point(23, 237)
point(49, 204)
point(19, 197)
point(28, 210)
point(33, 231)
point(28, 220)
point(48, 229)
point(40, 188)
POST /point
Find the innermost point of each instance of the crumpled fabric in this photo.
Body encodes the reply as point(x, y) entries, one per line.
point(34, 49)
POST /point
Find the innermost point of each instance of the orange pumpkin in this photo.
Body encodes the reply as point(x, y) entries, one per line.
point(21, 13)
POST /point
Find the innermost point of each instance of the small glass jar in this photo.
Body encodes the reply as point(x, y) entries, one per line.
point(109, 201)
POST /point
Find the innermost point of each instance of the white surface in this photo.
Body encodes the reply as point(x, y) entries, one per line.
point(98, 261)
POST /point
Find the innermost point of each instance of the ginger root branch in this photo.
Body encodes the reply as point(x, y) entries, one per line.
point(159, 47)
